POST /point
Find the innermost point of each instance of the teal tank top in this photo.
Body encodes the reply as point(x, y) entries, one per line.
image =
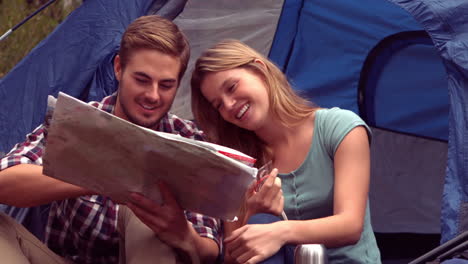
point(308, 191)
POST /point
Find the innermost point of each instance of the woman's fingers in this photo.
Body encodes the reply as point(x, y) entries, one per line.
point(271, 177)
point(271, 191)
point(244, 256)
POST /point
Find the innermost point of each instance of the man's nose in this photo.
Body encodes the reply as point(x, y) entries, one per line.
point(153, 93)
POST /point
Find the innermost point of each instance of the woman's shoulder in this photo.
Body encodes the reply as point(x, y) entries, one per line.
point(336, 115)
point(333, 124)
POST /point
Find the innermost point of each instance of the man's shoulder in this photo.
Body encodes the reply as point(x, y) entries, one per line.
point(172, 123)
point(179, 122)
point(172, 116)
point(106, 104)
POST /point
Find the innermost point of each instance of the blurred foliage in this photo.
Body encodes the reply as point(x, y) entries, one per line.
point(20, 42)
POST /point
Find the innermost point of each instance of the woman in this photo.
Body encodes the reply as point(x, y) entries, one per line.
point(321, 158)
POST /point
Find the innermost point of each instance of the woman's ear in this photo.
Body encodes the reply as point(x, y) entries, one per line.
point(117, 67)
point(260, 62)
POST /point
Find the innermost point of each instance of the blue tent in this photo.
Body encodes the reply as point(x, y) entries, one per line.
point(401, 65)
point(447, 24)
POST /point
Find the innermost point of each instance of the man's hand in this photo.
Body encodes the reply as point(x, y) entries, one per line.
point(167, 220)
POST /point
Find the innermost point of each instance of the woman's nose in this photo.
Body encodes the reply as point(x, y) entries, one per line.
point(228, 102)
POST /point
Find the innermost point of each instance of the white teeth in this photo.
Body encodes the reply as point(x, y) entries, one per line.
point(147, 107)
point(242, 111)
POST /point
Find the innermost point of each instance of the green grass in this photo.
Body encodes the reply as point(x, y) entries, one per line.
point(22, 40)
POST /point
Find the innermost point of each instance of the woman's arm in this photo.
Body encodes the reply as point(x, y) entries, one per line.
point(352, 176)
point(344, 227)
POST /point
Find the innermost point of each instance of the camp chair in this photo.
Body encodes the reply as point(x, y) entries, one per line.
point(445, 251)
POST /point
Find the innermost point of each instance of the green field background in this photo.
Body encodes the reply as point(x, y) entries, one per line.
point(21, 41)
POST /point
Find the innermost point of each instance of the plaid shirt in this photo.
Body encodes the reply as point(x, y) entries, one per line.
point(84, 229)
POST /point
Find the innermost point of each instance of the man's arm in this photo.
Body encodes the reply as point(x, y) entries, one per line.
point(204, 249)
point(208, 235)
point(24, 185)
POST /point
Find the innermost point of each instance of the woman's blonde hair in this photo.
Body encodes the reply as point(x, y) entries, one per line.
point(285, 104)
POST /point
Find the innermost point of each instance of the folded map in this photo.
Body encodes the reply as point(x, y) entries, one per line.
point(91, 148)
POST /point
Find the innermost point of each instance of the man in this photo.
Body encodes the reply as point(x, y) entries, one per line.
point(82, 226)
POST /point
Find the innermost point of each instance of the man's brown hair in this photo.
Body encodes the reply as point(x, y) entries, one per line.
point(155, 33)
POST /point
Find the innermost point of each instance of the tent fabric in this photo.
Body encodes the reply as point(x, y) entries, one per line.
point(281, 48)
point(403, 86)
point(332, 40)
point(407, 176)
point(447, 24)
point(403, 91)
point(169, 9)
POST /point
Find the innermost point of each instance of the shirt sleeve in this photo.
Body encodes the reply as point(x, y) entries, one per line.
point(183, 127)
point(32, 149)
point(28, 152)
point(206, 226)
point(336, 124)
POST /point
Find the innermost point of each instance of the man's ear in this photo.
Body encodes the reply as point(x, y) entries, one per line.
point(117, 67)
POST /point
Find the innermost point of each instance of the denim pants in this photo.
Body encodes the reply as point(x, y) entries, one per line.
point(455, 261)
point(286, 253)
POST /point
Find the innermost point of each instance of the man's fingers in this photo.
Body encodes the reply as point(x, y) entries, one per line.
point(148, 219)
point(166, 194)
point(145, 203)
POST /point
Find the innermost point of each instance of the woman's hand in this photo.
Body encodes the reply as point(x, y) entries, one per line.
point(268, 199)
point(254, 243)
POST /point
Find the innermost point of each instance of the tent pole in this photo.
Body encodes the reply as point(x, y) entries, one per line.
point(6, 34)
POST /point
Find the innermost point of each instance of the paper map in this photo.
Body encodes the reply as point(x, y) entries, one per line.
point(101, 152)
